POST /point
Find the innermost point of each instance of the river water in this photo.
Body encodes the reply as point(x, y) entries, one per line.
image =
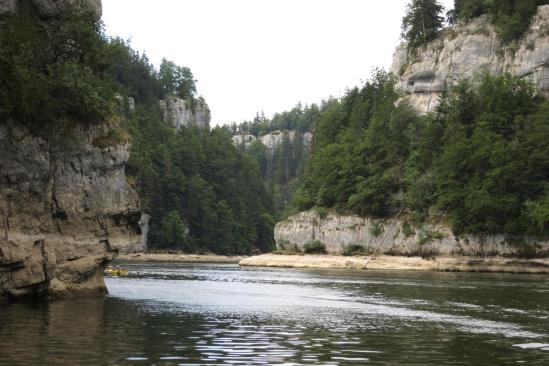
point(211, 314)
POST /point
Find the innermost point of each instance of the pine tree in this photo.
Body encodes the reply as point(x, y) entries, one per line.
point(422, 22)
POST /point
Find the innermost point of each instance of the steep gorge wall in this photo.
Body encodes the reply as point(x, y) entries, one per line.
point(66, 207)
point(466, 50)
point(339, 233)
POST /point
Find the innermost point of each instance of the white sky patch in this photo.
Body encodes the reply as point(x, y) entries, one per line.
point(263, 55)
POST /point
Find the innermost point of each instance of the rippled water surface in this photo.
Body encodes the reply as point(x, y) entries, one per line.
point(209, 314)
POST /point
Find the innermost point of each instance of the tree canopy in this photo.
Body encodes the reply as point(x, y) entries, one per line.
point(422, 22)
point(479, 161)
point(203, 193)
point(177, 80)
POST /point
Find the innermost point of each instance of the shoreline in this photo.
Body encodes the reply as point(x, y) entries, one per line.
point(384, 262)
point(179, 257)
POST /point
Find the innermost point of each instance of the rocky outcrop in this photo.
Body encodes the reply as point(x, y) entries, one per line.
point(55, 8)
point(243, 140)
point(181, 113)
point(66, 208)
point(7, 6)
point(308, 140)
point(466, 50)
point(139, 246)
point(274, 139)
point(341, 233)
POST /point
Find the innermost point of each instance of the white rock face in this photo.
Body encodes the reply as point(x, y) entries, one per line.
point(308, 140)
point(66, 209)
point(179, 113)
point(7, 6)
point(465, 51)
point(140, 245)
point(337, 232)
point(274, 139)
point(245, 140)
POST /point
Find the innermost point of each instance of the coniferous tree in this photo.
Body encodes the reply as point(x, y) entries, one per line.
point(422, 22)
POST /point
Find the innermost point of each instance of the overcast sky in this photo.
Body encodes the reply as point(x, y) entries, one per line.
point(263, 55)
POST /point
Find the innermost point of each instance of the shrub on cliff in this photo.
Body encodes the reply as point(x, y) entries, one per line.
point(315, 247)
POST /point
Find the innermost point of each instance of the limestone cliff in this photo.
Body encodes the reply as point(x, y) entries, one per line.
point(468, 49)
point(273, 139)
point(180, 113)
point(339, 233)
point(65, 208)
point(243, 140)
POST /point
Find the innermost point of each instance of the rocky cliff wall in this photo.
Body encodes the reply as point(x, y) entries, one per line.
point(338, 233)
point(468, 49)
point(66, 209)
point(179, 113)
point(273, 139)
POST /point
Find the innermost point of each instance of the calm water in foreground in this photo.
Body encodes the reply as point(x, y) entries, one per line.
point(182, 314)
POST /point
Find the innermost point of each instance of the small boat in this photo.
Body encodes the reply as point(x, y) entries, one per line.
point(116, 272)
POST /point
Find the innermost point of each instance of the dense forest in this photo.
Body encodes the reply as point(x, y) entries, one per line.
point(482, 160)
point(202, 193)
point(282, 167)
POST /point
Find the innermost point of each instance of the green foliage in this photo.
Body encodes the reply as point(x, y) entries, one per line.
point(482, 159)
point(216, 189)
point(132, 70)
point(177, 80)
point(282, 168)
point(364, 152)
point(511, 17)
point(407, 229)
point(422, 22)
point(353, 249)
point(174, 232)
point(428, 236)
point(284, 247)
point(203, 194)
point(315, 247)
point(53, 72)
point(488, 168)
point(115, 136)
point(322, 212)
point(376, 229)
point(299, 118)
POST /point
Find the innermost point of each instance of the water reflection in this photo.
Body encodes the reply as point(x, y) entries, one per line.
point(173, 314)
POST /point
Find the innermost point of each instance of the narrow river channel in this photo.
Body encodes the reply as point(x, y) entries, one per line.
point(211, 314)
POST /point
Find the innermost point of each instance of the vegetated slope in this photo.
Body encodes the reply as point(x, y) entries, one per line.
point(280, 147)
point(481, 159)
point(201, 192)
